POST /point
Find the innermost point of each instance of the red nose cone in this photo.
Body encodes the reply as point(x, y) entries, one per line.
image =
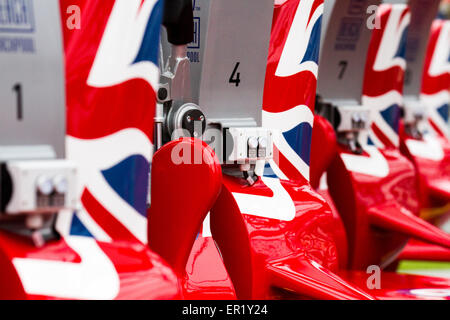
point(308, 278)
point(404, 222)
point(440, 188)
point(186, 181)
point(416, 250)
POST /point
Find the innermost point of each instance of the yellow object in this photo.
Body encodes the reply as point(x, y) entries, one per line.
point(429, 214)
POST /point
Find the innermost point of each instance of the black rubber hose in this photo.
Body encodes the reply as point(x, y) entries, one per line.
point(179, 21)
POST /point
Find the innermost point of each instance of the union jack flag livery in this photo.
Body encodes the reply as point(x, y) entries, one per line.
point(290, 86)
point(436, 77)
point(111, 72)
point(384, 74)
point(112, 75)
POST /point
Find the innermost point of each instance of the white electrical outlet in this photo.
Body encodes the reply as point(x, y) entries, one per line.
point(354, 118)
point(250, 144)
point(45, 186)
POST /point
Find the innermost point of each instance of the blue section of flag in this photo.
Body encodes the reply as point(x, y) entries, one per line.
point(299, 138)
point(443, 111)
point(312, 53)
point(150, 42)
point(130, 180)
point(268, 172)
point(77, 228)
point(401, 51)
point(392, 116)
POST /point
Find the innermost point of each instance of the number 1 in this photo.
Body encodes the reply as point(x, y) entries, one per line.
point(18, 89)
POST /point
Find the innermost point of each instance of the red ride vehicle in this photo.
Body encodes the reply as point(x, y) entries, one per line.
point(276, 236)
point(372, 185)
point(424, 135)
point(229, 211)
point(52, 246)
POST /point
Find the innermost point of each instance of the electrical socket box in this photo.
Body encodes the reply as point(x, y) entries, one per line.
point(414, 110)
point(353, 118)
point(45, 186)
point(245, 145)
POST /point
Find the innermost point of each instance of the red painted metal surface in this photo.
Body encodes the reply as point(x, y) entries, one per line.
point(290, 85)
point(378, 210)
point(356, 194)
point(403, 287)
point(385, 72)
point(189, 170)
point(206, 276)
point(323, 149)
point(83, 268)
point(277, 239)
point(436, 77)
point(104, 255)
point(431, 153)
point(376, 192)
point(433, 171)
point(416, 250)
point(69, 18)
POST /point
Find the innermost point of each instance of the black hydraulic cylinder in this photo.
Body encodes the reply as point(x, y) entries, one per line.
point(179, 21)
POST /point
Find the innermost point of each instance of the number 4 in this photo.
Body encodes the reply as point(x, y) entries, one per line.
point(235, 76)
